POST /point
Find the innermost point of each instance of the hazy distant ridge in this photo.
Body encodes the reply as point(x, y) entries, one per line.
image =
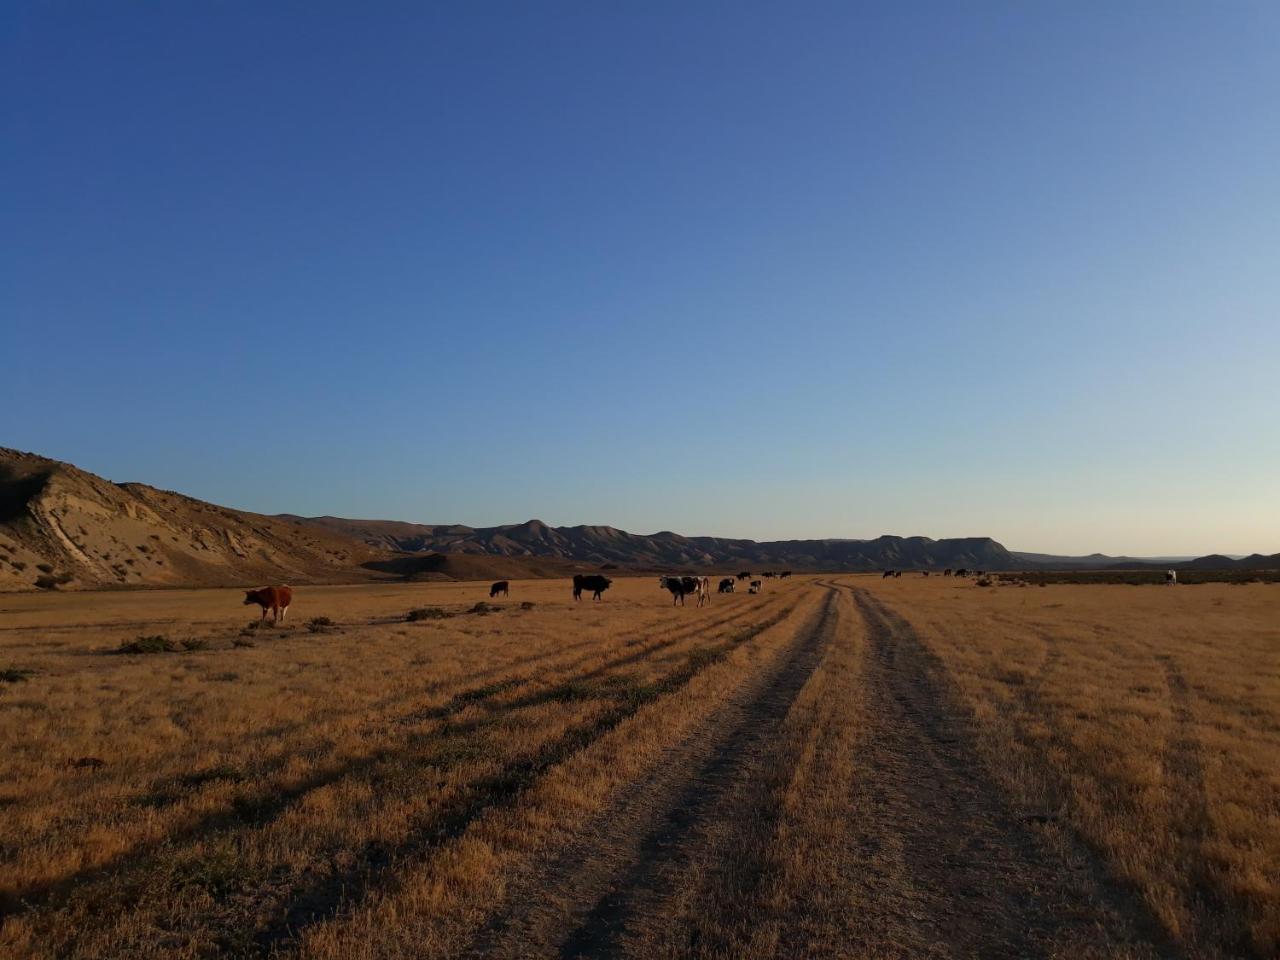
point(60, 525)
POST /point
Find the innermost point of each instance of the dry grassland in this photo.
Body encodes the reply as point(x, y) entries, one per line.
point(838, 767)
point(1145, 720)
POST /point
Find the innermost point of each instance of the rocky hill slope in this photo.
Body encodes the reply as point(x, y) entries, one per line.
point(60, 525)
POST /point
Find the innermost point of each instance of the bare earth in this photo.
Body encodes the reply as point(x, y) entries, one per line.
point(839, 767)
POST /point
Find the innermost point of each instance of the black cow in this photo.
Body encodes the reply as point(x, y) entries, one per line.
point(946, 572)
point(745, 575)
point(784, 573)
point(962, 572)
point(886, 575)
point(593, 582)
point(769, 574)
point(897, 573)
point(924, 573)
point(726, 585)
point(501, 587)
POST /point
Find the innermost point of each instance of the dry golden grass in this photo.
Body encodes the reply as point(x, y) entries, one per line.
point(783, 774)
point(1148, 718)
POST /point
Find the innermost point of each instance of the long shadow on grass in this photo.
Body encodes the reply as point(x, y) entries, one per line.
point(324, 897)
point(1217, 916)
point(936, 684)
point(244, 812)
point(259, 810)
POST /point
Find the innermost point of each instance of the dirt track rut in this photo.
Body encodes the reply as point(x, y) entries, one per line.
point(936, 862)
point(941, 864)
point(617, 873)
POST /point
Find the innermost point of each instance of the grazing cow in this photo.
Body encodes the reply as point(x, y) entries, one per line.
point(726, 585)
point(755, 586)
point(897, 573)
point(784, 573)
point(501, 587)
point(946, 572)
point(679, 586)
point(962, 572)
point(275, 599)
point(924, 573)
point(1171, 577)
point(593, 582)
point(769, 574)
point(886, 575)
point(745, 575)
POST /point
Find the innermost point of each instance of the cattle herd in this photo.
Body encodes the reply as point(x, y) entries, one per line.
point(277, 599)
point(962, 572)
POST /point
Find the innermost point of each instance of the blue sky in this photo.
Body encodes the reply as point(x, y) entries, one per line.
point(773, 271)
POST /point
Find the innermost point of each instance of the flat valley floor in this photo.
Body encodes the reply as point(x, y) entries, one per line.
point(841, 766)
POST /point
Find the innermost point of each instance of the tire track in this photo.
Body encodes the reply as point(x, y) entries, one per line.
point(256, 810)
point(581, 903)
point(327, 896)
point(1217, 919)
point(945, 866)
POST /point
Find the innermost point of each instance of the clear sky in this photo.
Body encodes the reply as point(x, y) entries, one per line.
point(785, 270)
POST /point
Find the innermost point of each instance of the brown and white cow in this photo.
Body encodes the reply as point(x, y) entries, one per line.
point(275, 599)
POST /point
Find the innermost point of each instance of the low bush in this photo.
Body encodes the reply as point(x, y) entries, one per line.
point(427, 613)
point(153, 644)
point(319, 624)
point(15, 674)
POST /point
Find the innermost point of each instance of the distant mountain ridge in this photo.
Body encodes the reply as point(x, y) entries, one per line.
point(604, 544)
point(63, 526)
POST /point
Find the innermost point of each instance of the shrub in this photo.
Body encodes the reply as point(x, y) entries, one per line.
point(482, 608)
point(154, 644)
point(18, 565)
point(527, 605)
point(46, 582)
point(15, 674)
point(984, 581)
point(319, 624)
point(242, 642)
point(194, 643)
point(427, 613)
point(45, 567)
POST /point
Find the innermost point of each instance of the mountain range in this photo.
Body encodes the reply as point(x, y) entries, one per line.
point(61, 526)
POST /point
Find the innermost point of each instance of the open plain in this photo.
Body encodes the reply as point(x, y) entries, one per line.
point(840, 766)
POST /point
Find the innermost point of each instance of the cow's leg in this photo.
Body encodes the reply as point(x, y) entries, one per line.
point(264, 613)
point(284, 612)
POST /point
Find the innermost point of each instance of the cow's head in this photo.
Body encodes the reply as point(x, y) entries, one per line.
point(250, 596)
